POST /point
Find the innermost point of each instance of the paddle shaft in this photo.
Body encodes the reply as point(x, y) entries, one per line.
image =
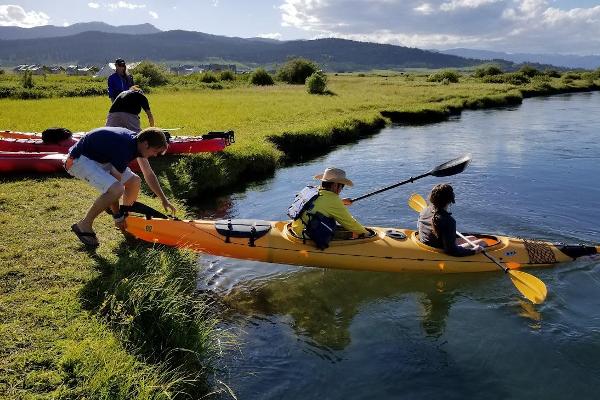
point(483, 252)
point(410, 180)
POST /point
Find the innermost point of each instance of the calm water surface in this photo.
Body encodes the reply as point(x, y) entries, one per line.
point(326, 334)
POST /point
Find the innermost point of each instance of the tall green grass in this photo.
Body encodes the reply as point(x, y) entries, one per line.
point(121, 323)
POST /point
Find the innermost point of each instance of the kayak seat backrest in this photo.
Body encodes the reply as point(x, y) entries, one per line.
point(242, 228)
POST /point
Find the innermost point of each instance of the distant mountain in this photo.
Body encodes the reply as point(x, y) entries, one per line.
point(559, 60)
point(332, 54)
point(48, 31)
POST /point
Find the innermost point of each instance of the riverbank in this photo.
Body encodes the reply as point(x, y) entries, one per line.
point(76, 324)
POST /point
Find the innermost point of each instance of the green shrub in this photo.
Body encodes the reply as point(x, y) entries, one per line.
point(449, 74)
point(296, 71)
point(261, 77)
point(156, 74)
point(227, 75)
point(27, 80)
point(588, 76)
point(215, 85)
point(539, 79)
point(552, 73)
point(571, 76)
point(142, 81)
point(514, 78)
point(1, 71)
point(529, 71)
point(488, 70)
point(316, 83)
point(208, 77)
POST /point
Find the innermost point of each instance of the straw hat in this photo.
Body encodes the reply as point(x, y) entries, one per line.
point(335, 175)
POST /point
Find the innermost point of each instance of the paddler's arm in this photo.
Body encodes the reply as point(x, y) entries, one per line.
point(154, 184)
point(447, 232)
point(341, 214)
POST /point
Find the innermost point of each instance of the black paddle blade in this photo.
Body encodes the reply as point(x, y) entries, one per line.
point(452, 167)
point(141, 208)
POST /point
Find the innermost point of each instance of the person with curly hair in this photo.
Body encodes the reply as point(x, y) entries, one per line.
point(437, 227)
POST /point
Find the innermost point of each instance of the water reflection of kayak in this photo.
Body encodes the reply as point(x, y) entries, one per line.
point(392, 250)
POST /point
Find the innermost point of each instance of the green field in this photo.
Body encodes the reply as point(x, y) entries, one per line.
point(79, 325)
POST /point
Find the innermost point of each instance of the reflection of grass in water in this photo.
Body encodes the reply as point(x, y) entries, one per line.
point(323, 304)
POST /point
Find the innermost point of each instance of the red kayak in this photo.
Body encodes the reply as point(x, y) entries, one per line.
point(32, 142)
point(46, 163)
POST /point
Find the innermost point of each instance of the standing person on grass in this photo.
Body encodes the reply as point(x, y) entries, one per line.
point(101, 158)
point(120, 80)
point(125, 110)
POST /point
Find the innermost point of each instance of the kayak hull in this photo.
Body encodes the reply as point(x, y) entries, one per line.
point(45, 163)
point(389, 250)
point(32, 142)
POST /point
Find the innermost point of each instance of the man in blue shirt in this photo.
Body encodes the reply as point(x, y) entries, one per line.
point(120, 80)
point(101, 158)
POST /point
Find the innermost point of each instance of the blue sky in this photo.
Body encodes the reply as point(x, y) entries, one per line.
point(534, 26)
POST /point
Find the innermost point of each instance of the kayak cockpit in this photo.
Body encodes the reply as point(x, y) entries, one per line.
point(492, 242)
point(340, 237)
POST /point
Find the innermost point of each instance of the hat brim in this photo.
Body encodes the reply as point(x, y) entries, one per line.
point(343, 181)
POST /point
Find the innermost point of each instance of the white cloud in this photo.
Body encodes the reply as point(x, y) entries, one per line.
point(122, 4)
point(65, 24)
point(13, 15)
point(503, 25)
point(93, 5)
point(424, 8)
point(457, 4)
point(153, 14)
point(275, 35)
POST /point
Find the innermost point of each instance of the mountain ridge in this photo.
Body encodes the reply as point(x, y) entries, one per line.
point(332, 54)
point(48, 31)
point(560, 60)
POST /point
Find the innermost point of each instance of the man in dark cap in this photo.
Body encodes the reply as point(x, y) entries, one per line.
point(120, 80)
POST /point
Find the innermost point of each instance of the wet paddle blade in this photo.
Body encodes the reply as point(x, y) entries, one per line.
point(417, 202)
point(531, 287)
point(452, 167)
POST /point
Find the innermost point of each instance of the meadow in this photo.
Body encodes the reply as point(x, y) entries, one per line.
point(282, 123)
point(125, 322)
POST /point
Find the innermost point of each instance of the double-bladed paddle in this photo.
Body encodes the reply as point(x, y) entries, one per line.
point(449, 168)
point(531, 287)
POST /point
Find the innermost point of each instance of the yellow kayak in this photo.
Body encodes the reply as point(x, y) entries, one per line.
point(386, 249)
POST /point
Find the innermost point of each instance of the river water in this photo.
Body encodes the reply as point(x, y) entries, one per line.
point(307, 333)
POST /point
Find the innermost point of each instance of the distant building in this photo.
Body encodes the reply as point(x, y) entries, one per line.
point(222, 67)
point(54, 69)
point(35, 69)
point(191, 69)
point(186, 69)
point(109, 68)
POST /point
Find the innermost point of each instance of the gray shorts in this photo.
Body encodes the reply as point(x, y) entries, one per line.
point(96, 174)
point(124, 120)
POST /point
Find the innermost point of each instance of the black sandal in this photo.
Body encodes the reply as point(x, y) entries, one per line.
point(87, 238)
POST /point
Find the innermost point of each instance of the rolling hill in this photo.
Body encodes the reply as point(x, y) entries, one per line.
point(332, 54)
